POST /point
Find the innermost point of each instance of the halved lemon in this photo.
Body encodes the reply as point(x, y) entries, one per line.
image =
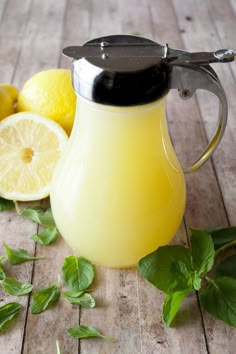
point(30, 147)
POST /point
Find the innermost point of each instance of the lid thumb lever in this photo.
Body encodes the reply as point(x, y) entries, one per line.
point(219, 56)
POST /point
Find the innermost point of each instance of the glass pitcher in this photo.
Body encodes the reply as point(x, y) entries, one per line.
point(118, 192)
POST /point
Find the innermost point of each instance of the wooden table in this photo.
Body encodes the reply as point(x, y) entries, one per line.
point(32, 34)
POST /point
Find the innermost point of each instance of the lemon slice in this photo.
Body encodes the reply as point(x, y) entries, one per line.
point(30, 147)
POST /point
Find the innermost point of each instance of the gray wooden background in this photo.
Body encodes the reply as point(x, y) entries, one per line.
point(32, 34)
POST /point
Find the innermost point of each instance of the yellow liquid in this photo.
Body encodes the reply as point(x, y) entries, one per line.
point(118, 192)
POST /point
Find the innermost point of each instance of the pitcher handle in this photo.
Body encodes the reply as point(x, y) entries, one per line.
point(187, 78)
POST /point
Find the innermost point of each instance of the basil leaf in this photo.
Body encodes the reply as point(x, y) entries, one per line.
point(8, 312)
point(196, 281)
point(222, 235)
point(2, 272)
point(42, 299)
point(78, 273)
point(156, 266)
point(84, 300)
point(183, 277)
point(72, 293)
point(40, 215)
point(47, 236)
point(227, 267)
point(180, 273)
point(172, 304)
point(219, 299)
point(12, 286)
point(202, 251)
point(82, 332)
point(18, 255)
point(6, 204)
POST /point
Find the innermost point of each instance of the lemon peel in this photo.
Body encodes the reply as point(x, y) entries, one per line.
point(50, 93)
point(8, 96)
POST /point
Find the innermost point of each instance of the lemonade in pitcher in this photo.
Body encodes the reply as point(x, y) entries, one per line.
point(118, 192)
point(127, 190)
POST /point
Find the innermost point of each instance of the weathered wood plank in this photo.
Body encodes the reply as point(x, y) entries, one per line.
point(115, 290)
point(41, 45)
point(200, 34)
point(51, 324)
point(77, 26)
point(14, 19)
point(12, 28)
point(40, 50)
point(129, 308)
point(14, 230)
point(233, 4)
point(156, 337)
point(175, 340)
point(136, 18)
point(3, 4)
point(106, 17)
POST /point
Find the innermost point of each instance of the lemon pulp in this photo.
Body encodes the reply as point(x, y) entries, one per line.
point(30, 147)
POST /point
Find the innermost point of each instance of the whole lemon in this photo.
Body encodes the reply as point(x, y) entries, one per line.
point(50, 93)
point(8, 96)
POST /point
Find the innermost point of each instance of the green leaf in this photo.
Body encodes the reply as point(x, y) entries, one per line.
point(222, 235)
point(196, 281)
point(181, 274)
point(202, 251)
point(219, 299)
point(12, 286)
point(227, 267)
point(40, 215)
point(2, 272)
point(47, 236)
point(82, 332)
point(72, 293)
point(43, 298)
point(184, 278)
point(8, 312)
point(172, 304)
point(84, 300)
point(78, 273)
point(6, 204)
point(156, 266)
point(18, 255)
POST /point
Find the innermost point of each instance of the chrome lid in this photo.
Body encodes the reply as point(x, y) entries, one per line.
point(125, 70)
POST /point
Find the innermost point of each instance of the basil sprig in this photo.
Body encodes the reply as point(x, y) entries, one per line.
point(177, 271)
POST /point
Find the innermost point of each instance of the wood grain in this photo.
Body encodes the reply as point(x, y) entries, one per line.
point(15, 231)
point(32, 34)
point(224, 165)
point(41, 51)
